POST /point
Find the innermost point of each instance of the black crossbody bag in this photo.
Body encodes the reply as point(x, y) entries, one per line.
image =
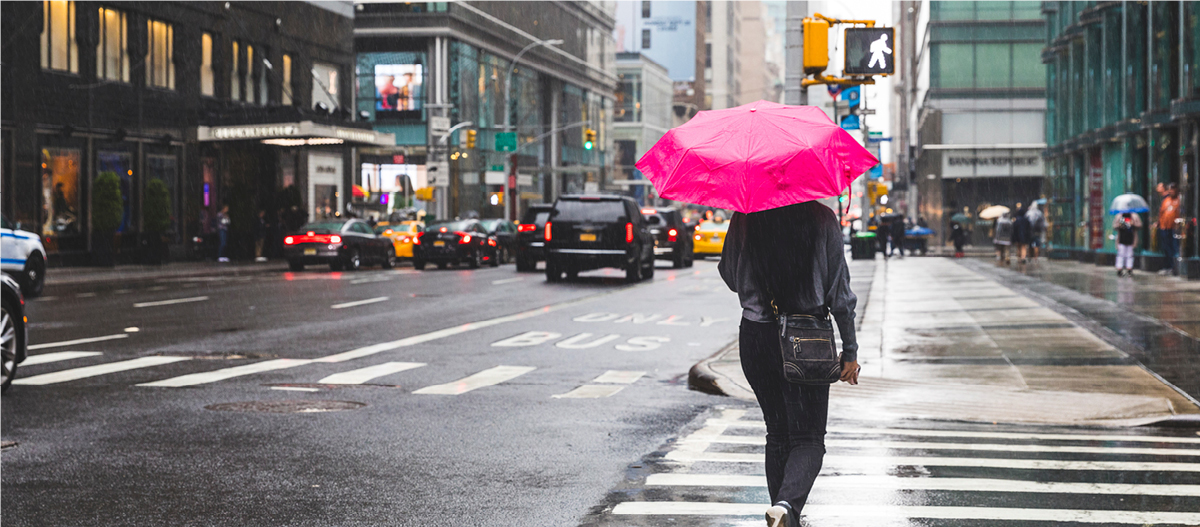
point(809, 353)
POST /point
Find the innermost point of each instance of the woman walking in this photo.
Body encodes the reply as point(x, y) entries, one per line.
point(790, 260)
point(1126, 227)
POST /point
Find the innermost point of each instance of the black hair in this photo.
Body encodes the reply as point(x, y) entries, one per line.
point(781, 245)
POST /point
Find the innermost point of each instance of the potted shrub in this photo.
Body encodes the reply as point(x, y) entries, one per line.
point(157, 218)
point(107, 209)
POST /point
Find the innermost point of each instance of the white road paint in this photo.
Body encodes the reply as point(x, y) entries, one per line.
point(171, 301)
point(77, 341)
point(295, 389)
point(896, 512)
point(618, 377)
point(363, 375)
point(876, 432)
point(645, 343)
point(889, 483)
point(876, 462)
point(360, 302)
point(75, 374)
point(989, 447)
point(590, 391)
point(57, 356)
point(637, 318)
point(371, 280)
point(226, 373)
point(528, 338)
point(580, 341)
point(85, 295)
point(507, 280)
point(132, 329)
point(488, 377)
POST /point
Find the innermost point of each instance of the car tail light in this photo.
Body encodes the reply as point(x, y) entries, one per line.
point(464, 237)
point(547, 231)
point(404, 239)
point(699, 237)
point(628, 233)
point(443, 229)
point(335, 239)
point(289, 241)
point(417, 238)
point(309, 233)
point(672, 235)
point(492, 243)
point(526, 227)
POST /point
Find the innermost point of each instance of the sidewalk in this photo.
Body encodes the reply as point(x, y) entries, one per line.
point(950, 339)
point(121, 273)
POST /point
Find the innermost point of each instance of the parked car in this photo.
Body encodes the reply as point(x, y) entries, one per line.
point(505, 233)
point(672, 236)
point(593, 231)
point(343, 244)
point(13, 337)
point(530, 237)
point(709, 239)
point(402, 235)
point(454, 242)
point(22, 256)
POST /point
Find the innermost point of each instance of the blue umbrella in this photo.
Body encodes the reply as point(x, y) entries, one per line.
point(1128, 203)
point(919, 231)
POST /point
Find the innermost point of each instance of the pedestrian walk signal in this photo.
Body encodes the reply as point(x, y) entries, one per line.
point(869, 51)
point(471, 138)
point(589, 139)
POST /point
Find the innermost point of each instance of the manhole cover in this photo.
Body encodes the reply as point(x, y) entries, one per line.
point(286, 407)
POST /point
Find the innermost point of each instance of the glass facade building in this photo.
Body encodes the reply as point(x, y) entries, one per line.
point(1122, 110)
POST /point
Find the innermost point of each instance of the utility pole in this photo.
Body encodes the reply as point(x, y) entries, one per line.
point(794, 92)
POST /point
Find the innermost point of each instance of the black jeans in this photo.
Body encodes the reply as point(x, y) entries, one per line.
point(795, 414)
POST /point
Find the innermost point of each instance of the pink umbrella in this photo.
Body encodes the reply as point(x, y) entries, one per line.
point(755, 157)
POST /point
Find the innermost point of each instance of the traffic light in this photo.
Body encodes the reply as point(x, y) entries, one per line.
point(589, 139)
point(816, 45)
point(424, 194)
point(877, 192)
point(496, 198)
point(869, 51)
point(471, 138)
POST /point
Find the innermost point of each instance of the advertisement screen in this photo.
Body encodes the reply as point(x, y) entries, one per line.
point(398, 90)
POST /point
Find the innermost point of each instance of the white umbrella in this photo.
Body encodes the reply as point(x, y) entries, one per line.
point(1128, 203)
point(993, 212)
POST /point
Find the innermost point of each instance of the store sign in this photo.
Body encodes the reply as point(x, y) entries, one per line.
point(254, 132)
point(991, 163)
point(297, 131)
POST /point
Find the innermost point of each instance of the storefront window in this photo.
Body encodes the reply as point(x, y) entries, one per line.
point(120, 164)
point(61, 193)
point(165, 168)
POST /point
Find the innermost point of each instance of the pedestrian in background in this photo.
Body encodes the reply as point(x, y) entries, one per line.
point(1168, 212)
point(1022, 234)
point(1002, 237)
point(260, 235)
point(222, 233)
point(897, 236)
point(1037, 230)
point(1125, 229)
point(958, 235)
point(789, 260)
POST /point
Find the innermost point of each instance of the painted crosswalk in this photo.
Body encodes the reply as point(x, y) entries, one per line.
point(713, 476)
point(75, 374)
point(363, 375)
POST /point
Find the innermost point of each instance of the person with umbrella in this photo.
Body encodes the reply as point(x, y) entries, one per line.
point(1126, 224)
point(1002, 237)
point(1037, 225)
point(1022, 234)
point(784, 258)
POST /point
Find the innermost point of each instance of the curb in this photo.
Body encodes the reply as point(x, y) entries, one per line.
point(703, 378)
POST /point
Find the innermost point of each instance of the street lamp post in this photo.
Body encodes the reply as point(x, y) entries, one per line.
point(511, 187)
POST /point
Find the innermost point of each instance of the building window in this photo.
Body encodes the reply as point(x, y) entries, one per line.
point(112, 51)
point(629, 99)
point(262, 79)
point(325, 85)
point(235, 74)
point(160, 54)
point(249, 87)
point(59, 50)
point(645, 8)
point(708, 55)
point(206, 64)
point(287, 81)
point(645, 39)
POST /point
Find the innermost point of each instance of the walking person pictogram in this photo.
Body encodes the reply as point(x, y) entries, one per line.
point(878, 49)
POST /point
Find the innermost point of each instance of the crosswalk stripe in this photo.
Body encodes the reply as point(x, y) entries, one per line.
point(884, 512)
point(359, 302)
point(952, 484)
point(488, 377)
point(363, 375)
point(226, 373)
point(591, 391)
point(988, 447)
point(77, 341)
point(619, 377)
point(172, 301)
point(866, 462)
point(875, 432)
point(74, 374)
point(57, 356)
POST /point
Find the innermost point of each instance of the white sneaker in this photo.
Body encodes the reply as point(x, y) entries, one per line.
point(223, 259)
point(777, 515)
point(261, 259)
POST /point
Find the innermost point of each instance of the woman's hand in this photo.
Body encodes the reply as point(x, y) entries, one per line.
point(850, 372)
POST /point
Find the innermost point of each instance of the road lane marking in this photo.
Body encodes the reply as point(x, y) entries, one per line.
point(227, 373)
point(895, 512)
point(371, 280)
point(363, 375)
point(57, 356)
point(590, 391)
point(99, 369)
point(868, 462)
point(295, 389)
point(875, 432)
point(77, 341)
point(952, 484)
point(359, 302)
point(577, 342)
point(171, 301)
point(488, 377)
point(990, 447)
point(508, 280)
point(85, 295)
point(619, 377)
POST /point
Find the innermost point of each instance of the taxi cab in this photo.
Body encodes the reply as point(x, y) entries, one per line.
point(401, 234)
point(709, 238)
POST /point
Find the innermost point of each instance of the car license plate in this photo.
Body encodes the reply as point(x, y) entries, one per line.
point(439, 244)
point(715, 239)
point(310, 252)
point(587, 237)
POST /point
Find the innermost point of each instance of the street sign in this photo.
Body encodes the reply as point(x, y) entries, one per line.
point(492, 177)
point(438, 174)
point(524, 180)
point(869, 51)
point(875, 133)
point(439, 125)
point(850, 122)
point(876, 171)
point(506, 142)
point(497, 168)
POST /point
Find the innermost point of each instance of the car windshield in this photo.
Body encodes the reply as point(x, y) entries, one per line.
point(324, 227)
point(452, 225)
point(712, 226)
point(490, 225)
point(535, 216)
point(580, 210)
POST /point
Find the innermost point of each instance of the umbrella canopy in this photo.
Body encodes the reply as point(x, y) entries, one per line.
point(1128, 203)
point(359, 192)
point(919, 231)
point(755, 157)
point(993, 212)
point(960, 218)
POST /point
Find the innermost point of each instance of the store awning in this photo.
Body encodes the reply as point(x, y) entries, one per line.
point(295, 134)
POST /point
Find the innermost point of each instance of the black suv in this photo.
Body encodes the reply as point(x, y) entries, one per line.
point(531, 237)
point(672, 237)
point(594, 231)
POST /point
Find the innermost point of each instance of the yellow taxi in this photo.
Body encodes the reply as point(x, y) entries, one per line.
point(709, 238)
point(402, 235)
